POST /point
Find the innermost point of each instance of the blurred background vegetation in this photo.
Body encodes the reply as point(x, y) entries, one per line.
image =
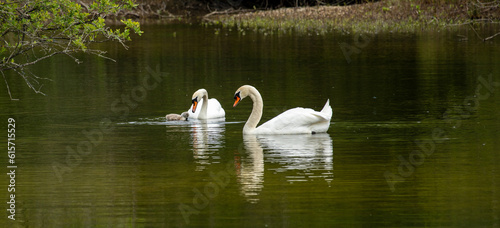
point(472, 9)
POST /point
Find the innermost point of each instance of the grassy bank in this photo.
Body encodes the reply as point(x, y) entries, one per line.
point(382, 16)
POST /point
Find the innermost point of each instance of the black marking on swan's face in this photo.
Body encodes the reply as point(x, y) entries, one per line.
point(195, 104)
point(237, 98)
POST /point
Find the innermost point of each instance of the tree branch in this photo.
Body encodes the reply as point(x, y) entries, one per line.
point(33, 31)
point(491, 37)
point(8, 88)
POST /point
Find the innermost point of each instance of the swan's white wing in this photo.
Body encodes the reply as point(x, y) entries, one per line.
point(295, 121)
point(214, 109)
point(298, 121)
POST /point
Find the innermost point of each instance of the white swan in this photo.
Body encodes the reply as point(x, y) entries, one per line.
point(210, 108)
point(292, 121)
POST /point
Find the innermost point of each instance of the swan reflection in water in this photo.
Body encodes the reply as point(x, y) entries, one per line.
point(251, 168)
point(299, 157)
point(207, 137)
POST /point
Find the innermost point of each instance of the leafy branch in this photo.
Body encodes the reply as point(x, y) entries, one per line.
point(35, 30)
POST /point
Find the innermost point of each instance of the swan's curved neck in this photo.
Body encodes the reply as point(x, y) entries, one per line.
point(256, 114)
point(203, 112)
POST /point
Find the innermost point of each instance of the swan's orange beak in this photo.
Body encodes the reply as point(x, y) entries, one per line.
point(238, 99)
point(195, 103)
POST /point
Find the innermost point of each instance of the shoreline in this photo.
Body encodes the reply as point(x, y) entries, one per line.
point(382, 16)
point(371, 17)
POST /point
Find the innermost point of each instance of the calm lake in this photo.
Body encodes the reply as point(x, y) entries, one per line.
point(414, 139)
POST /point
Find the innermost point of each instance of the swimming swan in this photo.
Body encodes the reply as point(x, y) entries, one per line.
point(176, 117)
point(292, 121)
point(209, 110)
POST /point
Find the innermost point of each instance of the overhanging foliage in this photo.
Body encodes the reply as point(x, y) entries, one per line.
point(34, 30)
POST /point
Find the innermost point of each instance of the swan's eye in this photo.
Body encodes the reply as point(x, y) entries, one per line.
point(195, 99)
point(237, 95)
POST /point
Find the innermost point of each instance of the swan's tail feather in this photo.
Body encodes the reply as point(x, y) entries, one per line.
point(327, 104)
point(327, 109)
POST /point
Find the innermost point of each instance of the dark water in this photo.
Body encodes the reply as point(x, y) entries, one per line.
point(414, 139)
